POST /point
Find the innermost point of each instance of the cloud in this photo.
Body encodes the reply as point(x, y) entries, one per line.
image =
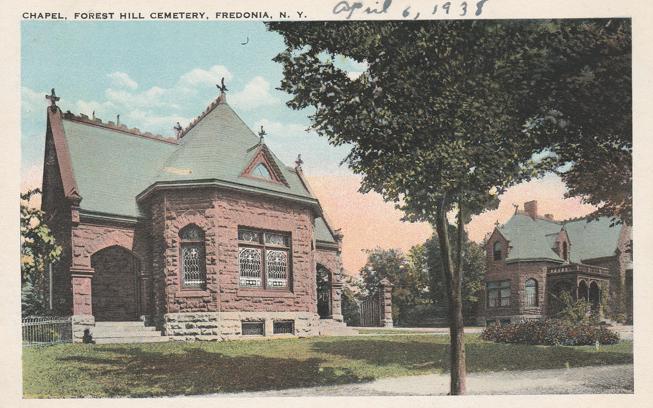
point(122, 80)
point(199, 76)
point(33, 103)
point(256, 94)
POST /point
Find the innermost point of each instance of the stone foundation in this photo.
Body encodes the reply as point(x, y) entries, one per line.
point(79, 324)
point(215, 326)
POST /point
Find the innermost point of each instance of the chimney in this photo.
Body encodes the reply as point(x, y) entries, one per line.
point(530, 207)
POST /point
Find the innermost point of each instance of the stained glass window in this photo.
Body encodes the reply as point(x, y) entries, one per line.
point(263, 259)
point(193, 259)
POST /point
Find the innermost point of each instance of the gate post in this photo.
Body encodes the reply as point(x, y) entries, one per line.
point(385, 302)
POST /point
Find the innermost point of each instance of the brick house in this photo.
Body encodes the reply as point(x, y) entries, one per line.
point(532, 259)
point(207, 236)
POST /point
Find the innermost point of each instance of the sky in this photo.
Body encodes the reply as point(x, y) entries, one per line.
point(154, 74)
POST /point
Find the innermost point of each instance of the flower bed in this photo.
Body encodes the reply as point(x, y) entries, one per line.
point(550, 332)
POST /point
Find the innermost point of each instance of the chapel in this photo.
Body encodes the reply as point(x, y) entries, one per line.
point(204, 236)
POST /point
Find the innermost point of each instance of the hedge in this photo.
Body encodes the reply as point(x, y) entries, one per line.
point(550, 332)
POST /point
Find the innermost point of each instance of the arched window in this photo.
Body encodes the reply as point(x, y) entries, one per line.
point(261, 171)
point(193, 257)
point(565, 251)
point(531, 293)
point(496, 249)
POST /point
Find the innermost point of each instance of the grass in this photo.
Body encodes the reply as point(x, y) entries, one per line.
point(160, 369)
point(392, 331)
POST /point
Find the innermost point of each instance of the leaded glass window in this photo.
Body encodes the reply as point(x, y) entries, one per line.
point(264, 259)
point(250, 267)
point(193, 258)
point(276, 265)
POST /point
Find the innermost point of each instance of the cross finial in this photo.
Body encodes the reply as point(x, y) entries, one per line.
point(261, 134)
point(516, 207)
point(299, 162)
point(496, 224)
point(178, 129)
point(222, 87)
point(53, 98)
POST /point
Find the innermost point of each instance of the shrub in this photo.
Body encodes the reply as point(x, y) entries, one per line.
point(550, 332)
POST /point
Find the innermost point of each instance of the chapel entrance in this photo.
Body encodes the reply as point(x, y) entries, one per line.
point(115, 285)
point(323, 292)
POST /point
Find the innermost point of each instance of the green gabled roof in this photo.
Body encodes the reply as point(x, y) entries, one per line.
point(533, 239)
point(528, 238)
point(219, 147)
point(322, 231)
point(111, 167)
point(594, 239)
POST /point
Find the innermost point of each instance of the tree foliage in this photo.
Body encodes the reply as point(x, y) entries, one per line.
point(38, 249)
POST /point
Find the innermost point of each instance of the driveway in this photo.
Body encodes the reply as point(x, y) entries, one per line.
point(616, 379)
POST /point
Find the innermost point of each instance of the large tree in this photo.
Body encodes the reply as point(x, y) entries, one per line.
point(446, 116)
point(435, 122)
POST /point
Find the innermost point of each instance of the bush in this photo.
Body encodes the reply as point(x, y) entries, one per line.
point(550, 332)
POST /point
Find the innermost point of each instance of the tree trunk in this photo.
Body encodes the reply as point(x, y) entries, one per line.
point(453, 281)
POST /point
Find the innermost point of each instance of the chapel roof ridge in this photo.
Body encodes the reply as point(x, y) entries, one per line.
point(68, 115)
point(221, 99)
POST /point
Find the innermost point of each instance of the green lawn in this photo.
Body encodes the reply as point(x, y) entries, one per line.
point(159, 369)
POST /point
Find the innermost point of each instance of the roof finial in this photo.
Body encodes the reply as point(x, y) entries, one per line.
point(516, 207)
point(53, 98)
point(299, 162)
point(93, 114)
point(496, 224)
point(118, 120)
point(261, 134)
point(178, 130)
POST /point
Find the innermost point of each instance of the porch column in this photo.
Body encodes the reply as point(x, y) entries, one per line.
point(82, 291)
point(82, 319)
point(336, 301)
point(385, 302)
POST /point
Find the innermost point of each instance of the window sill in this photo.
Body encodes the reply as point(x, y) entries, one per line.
point(192, 293)
point(242, 292)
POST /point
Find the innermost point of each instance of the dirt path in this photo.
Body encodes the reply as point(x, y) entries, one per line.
point(616, 379)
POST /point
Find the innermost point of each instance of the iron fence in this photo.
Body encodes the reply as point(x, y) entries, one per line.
point(47, 330)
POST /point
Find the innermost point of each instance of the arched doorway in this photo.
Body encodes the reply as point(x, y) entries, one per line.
point(115, 285)
point(583, 292)
point(323, 280)
point(595, 295)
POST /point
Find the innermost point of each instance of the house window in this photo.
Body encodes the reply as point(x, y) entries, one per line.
point(531, 293)
point(264, 259)
point(496, 250)
point(193, 257)
point(261, 171)
point(498, 294)
point(565, 251)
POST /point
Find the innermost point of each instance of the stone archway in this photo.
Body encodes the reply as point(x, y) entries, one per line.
point(115, 285)
point(323, 280)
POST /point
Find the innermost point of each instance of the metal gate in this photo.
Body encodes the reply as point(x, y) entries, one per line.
point(370, 311)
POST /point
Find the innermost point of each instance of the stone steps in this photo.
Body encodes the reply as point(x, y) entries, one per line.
point(329, 327)
point(125, 332)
